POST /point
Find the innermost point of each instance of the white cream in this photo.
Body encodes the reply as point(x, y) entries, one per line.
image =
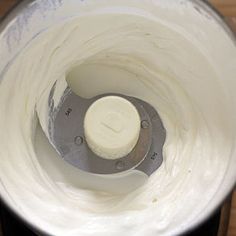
point(160, 51)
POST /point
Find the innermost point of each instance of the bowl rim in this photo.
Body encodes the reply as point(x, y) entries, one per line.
point(204, 5)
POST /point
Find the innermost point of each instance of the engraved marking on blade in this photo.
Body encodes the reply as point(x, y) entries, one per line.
point(69, 110)
point(154, 155)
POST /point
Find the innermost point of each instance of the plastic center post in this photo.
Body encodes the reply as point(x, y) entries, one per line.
point(112, 127)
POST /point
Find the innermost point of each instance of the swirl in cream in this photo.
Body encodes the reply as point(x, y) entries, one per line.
point(159, 51)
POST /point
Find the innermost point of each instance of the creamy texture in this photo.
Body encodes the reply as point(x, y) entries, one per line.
point(151, 53)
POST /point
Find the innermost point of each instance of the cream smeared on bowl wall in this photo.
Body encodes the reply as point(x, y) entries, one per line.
point(159, 51)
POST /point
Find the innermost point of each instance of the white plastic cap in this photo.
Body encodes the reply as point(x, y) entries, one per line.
point(112, 127)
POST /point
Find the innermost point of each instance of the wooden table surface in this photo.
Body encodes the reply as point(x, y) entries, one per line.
point(232, 224)
point(228, 9)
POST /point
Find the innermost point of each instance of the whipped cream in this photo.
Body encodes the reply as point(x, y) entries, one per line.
point(167, 53)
